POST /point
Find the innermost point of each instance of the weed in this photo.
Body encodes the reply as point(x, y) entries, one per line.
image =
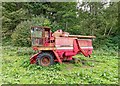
point(102, 68)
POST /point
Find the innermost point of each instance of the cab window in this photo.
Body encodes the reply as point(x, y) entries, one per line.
point(36, 32)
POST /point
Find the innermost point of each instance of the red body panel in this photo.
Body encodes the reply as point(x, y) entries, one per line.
point(64, 42)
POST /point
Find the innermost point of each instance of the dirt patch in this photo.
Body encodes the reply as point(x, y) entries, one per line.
point(69, 65)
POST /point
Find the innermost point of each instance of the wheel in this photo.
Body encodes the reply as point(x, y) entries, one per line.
point(76, 60)
point(45, 59)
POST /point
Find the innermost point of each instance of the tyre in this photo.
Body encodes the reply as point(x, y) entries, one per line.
point(76, 60)
point(45, 59)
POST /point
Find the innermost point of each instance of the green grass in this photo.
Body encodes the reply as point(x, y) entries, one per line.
point(102, 68)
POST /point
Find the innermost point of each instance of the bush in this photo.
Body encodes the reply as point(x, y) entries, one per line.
point(106, 43)
point(21, 35)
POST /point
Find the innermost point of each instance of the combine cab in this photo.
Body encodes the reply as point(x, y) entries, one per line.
point(57, 46)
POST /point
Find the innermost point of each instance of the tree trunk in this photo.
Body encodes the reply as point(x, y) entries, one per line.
point(109, 31)
point(105, 32)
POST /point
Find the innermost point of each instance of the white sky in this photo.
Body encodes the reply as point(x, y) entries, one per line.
point(87, 8)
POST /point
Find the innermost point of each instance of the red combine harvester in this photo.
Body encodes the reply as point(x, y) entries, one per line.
point(57, 46)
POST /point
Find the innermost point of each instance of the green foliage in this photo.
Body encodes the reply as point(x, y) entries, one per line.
point(99, 20)
point(106, 43)
point(21, 35)
point(12, 16)
point(16, 69)
point(56, 26)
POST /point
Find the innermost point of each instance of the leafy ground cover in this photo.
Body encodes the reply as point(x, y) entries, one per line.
point(102, 68)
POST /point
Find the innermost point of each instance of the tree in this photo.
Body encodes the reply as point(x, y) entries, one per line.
point(13, 14)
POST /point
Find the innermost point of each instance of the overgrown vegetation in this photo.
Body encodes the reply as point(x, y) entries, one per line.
point(98, 18)
point(102, 68)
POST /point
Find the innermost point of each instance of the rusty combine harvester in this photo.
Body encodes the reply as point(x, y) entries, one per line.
point(57, 46)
